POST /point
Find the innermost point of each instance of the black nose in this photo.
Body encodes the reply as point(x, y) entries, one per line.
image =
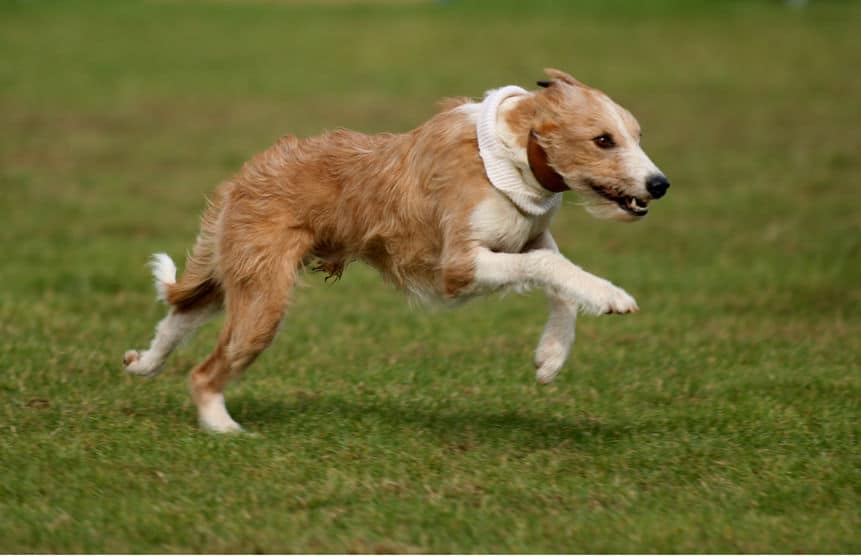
point(657, 185)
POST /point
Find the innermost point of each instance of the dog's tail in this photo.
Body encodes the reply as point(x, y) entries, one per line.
point(198, 285)
point(164, 274)
point(194, 291)
point(190, 292)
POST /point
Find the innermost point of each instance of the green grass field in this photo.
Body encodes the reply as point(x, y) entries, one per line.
point(724, 417)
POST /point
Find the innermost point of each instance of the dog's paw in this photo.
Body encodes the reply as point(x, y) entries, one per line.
point(228, 426)
point(546, 372)
point(621, 302)
point(130, 357)
point(213, 416)
point(611, 300)
point(136, 363)
point(549, 359)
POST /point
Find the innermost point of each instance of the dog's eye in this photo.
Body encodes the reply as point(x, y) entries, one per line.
point(604, 141)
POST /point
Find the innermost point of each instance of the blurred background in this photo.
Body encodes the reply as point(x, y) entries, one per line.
point(722, 418)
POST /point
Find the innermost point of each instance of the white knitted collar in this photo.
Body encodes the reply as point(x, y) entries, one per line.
point(498, 159)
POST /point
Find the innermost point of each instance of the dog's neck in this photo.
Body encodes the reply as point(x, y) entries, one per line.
point(506, 160)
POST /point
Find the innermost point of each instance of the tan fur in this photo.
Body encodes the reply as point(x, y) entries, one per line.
point(403, 203)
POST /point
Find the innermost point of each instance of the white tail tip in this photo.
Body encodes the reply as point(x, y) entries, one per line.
point(164, 272)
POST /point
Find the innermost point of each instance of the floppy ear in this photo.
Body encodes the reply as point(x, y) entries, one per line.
point(549, 178)
point(561, 76)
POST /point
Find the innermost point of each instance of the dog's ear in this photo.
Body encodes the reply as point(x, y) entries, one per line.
point(560, 75)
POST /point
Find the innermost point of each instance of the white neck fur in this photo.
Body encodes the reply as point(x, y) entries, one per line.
point(506, 167)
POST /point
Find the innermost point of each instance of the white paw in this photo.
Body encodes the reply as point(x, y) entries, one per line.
point(138, 363)
point(545, 373)
point(549, 358)
point(612, 300)
point(221, 427)
point(213, 416)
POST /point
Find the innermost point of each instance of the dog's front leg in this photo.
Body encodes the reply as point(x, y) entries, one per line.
point(568, 286)
point(553, 273)
point(559, 332)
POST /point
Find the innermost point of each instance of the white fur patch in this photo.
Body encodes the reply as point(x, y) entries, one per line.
point(498, 225)
point(214, 417)
point(558, 335)
point(556, 340)
point(164, 273)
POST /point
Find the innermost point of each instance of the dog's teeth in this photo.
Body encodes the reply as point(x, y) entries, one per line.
point(636, 205)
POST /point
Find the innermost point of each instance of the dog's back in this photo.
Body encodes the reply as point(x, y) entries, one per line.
point(392, 200)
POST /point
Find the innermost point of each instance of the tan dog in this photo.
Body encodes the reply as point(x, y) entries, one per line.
point(458, 207)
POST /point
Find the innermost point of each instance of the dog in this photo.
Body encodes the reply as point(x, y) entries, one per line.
point(458, 207)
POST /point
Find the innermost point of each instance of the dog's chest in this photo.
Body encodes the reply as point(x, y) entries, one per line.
point(499, 226)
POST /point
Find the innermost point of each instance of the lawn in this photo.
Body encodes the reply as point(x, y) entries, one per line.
point(724, 417)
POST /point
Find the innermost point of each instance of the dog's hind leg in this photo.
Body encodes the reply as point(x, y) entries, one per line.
point(255, 306)
point(181, 321)
point(169, 333)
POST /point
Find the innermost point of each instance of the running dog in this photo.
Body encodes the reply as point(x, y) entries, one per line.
point(458, 207)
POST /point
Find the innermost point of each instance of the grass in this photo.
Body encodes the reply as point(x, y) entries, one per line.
point(722, 418)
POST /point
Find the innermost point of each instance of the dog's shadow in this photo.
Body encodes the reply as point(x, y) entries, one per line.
point(458, 426)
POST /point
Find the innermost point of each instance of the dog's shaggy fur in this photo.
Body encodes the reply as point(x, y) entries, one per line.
point(421, 209)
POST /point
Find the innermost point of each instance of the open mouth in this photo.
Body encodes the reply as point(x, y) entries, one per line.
point(628, 203)
point(633, 205)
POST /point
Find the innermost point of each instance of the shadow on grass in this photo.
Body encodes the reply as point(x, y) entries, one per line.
point(457, 425)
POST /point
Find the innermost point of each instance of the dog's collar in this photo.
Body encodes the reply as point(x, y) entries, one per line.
point(499, 164)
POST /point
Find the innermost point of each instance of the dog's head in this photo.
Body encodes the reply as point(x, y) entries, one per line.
point(579, 139)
